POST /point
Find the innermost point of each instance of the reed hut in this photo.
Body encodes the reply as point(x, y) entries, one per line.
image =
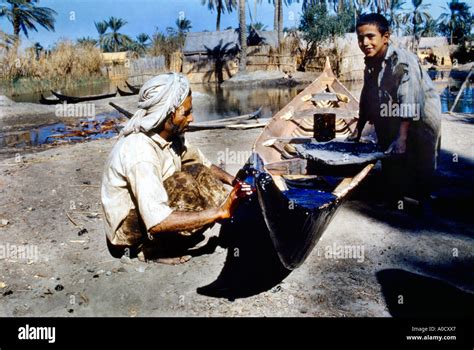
point(210, 56)
point(263, 53)
point(435, 50)
point(116, 64)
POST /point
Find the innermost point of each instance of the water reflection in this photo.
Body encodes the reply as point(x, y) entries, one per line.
point(93, 88)
point(213, 102)
point(99, 127)
point(216, 102)
point(465, 103)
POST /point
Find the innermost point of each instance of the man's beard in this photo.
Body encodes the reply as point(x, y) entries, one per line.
point(175, 129)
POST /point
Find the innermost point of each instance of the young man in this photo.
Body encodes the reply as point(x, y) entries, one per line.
point(157, 190)
point(399, 98)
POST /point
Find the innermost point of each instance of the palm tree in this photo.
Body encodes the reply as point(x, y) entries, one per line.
point(141, 44)
point(256, 26)
point(116, 40)
point(87, 41)
point(430, 28)
point(417, 18)
point(340, 5)
point(25, 15)
point(142, 39)
point(456, 22)
point(279, 20)
point(361, 6)
point(309, 3)
point(278, 15)
point(395, 15)
point(380, 6)
point(184, 25)
point(101, 29)
point(242, 37)
point(220, 6)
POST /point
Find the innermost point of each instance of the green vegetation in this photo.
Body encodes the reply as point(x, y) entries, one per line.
point(321, 22)
point(25, 15)
point(456, 22)
point(319, 25)
point(220, 6)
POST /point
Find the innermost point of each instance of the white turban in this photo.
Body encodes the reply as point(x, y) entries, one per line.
point(158, 98)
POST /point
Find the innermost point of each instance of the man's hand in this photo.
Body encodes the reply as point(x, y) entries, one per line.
point(354, 137)
point(399, 146)
point(240, 190)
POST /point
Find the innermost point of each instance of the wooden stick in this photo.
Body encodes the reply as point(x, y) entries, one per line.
point(70, 219)
point(463, 86)
point(121, 110)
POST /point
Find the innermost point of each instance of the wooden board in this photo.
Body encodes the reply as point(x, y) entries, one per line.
point(340, 152)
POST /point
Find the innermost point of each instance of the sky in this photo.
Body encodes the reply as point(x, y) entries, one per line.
point(76, 18)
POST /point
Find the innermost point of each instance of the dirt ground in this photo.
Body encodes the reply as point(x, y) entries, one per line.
point(411, 264)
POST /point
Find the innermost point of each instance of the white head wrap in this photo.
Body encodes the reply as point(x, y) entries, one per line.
point(158, 98)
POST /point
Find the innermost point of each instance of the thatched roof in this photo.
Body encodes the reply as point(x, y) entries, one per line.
point(431, 42)
point(203, 42)
point(262, 37)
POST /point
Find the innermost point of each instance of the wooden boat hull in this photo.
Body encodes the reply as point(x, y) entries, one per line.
point(126, 93)
point(298, 198)
point(135, 89)
point(74, 99)
point(294, 229)
point(243, 121)
point(45, 101)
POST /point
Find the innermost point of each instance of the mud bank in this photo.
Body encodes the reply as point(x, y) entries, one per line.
point(50, 197)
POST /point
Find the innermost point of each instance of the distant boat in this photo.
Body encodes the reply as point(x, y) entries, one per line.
point(45, 101)
point(133, 88)
point(74, 99)
point(245, 121)
point(126, 93)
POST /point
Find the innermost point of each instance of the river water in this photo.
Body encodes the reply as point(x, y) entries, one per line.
point(233, 101)
point(211, 102)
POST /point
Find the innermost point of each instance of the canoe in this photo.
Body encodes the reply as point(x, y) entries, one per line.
point(298, 196)
point(46, 101)
point(125, 93)
point(245, 121)
point(134, 88)
point(74, 99)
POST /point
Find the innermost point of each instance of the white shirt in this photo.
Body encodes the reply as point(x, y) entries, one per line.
point(134, 173)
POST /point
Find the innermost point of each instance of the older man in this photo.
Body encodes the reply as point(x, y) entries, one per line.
point(157, 189)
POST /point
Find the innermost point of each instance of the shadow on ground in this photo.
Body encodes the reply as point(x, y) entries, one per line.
point(412, 295)
point(453, 195)
point(252, 265)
